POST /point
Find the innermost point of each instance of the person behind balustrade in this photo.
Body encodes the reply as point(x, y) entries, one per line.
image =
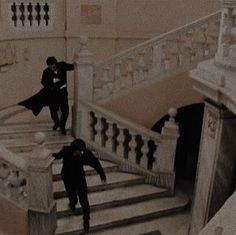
point(74, 158)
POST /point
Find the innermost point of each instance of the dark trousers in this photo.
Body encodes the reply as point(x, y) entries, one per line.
point(82, 192)
point(59, 103)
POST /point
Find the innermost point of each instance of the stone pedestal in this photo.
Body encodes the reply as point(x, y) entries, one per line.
point(83, 85)
point(165, 159)
point(42, 207)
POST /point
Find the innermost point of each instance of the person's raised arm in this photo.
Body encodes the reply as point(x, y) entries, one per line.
point(68, 67)
point(60, 154)
point(89, 159)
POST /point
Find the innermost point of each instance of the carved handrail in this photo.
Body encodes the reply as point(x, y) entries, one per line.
point(121, 120)
point(13, 175)
point(176, 51)
point(131, 144)
point(119, 136)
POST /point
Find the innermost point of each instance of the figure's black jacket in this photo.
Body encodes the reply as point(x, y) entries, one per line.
point(46, 95)
point(72, 170)
point(48, 75)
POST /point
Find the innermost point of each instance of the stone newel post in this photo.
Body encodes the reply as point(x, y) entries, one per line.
point(83, 87)
point(166, 151)
point(169, 136)
point(42, 207)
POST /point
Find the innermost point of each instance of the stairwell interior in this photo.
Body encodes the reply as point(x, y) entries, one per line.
point(143, 195)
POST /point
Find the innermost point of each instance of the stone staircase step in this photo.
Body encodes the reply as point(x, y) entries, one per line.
point(114, 180)
point(123, 215)
point(15, 134)
point(176, 224)
point(114, 197)
point(107, 166)
point(27, 127)
point(26, 144)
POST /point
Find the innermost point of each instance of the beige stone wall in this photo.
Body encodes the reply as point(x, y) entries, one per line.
point(18, 218)
point(148, 105)
point(112, 25)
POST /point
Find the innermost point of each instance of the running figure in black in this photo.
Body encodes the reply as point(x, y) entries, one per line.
point(54, 78)
point(74, 158)
point(53, 94)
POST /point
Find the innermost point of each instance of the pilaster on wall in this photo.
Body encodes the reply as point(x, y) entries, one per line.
point(209, 154)
point(211, 131)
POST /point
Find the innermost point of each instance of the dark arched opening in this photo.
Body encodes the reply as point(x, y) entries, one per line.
point(189, 119)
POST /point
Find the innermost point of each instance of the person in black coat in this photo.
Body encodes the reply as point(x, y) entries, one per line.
point(54, 93)
point(74, 158)
point(54, 78)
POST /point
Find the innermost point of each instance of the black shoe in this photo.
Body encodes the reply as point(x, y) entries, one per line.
point(86, 226)
point(55, 127)
point(72, 207)
point(63, 131)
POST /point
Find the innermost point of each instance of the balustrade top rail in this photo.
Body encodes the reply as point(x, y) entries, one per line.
point(10, 158)
point(161, 38)
point(129, 124)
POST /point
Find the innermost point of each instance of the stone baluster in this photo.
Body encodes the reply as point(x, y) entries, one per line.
point(132, 156)
point(117, 76)
point(141, 67)
point(157, 55)
point(120, 138)
point(90, 126)
point(155, 156)
point(226, 28)
point(106, 81)
point(110, 134)
point(42, 207)
point(15, 184)
point(145, 149)
point(130, 71)
point(4, 171)
point(98, 128)
point(83, 88)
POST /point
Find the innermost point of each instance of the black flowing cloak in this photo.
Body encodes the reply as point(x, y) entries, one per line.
point(36, 102)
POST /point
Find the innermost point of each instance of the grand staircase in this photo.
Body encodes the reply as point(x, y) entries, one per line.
point(125, 204)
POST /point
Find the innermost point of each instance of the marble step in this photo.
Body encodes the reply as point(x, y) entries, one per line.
point(26, 144)
point(173, 224)
point(113, 198)
point(107, 166)
point(15, 134)
point(114, 180)
point(123, 215)
point(26, 127)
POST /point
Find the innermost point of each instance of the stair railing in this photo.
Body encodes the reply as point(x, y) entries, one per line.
point(137, 148)
point(168, 54)
point(26, 182)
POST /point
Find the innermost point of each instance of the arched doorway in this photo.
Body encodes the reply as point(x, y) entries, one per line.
point(189, 119)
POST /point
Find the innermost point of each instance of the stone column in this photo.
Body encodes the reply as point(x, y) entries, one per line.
point(216, 165)
point(83, 87)
point(42, 207)
point(209, 147)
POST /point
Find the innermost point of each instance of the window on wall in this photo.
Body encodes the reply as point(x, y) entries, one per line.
point(30, 14)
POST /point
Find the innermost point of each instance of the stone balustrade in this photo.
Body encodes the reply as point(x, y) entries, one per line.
point(13, 175)
point(173, 52)
point(131, 144)
point(27, 183)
